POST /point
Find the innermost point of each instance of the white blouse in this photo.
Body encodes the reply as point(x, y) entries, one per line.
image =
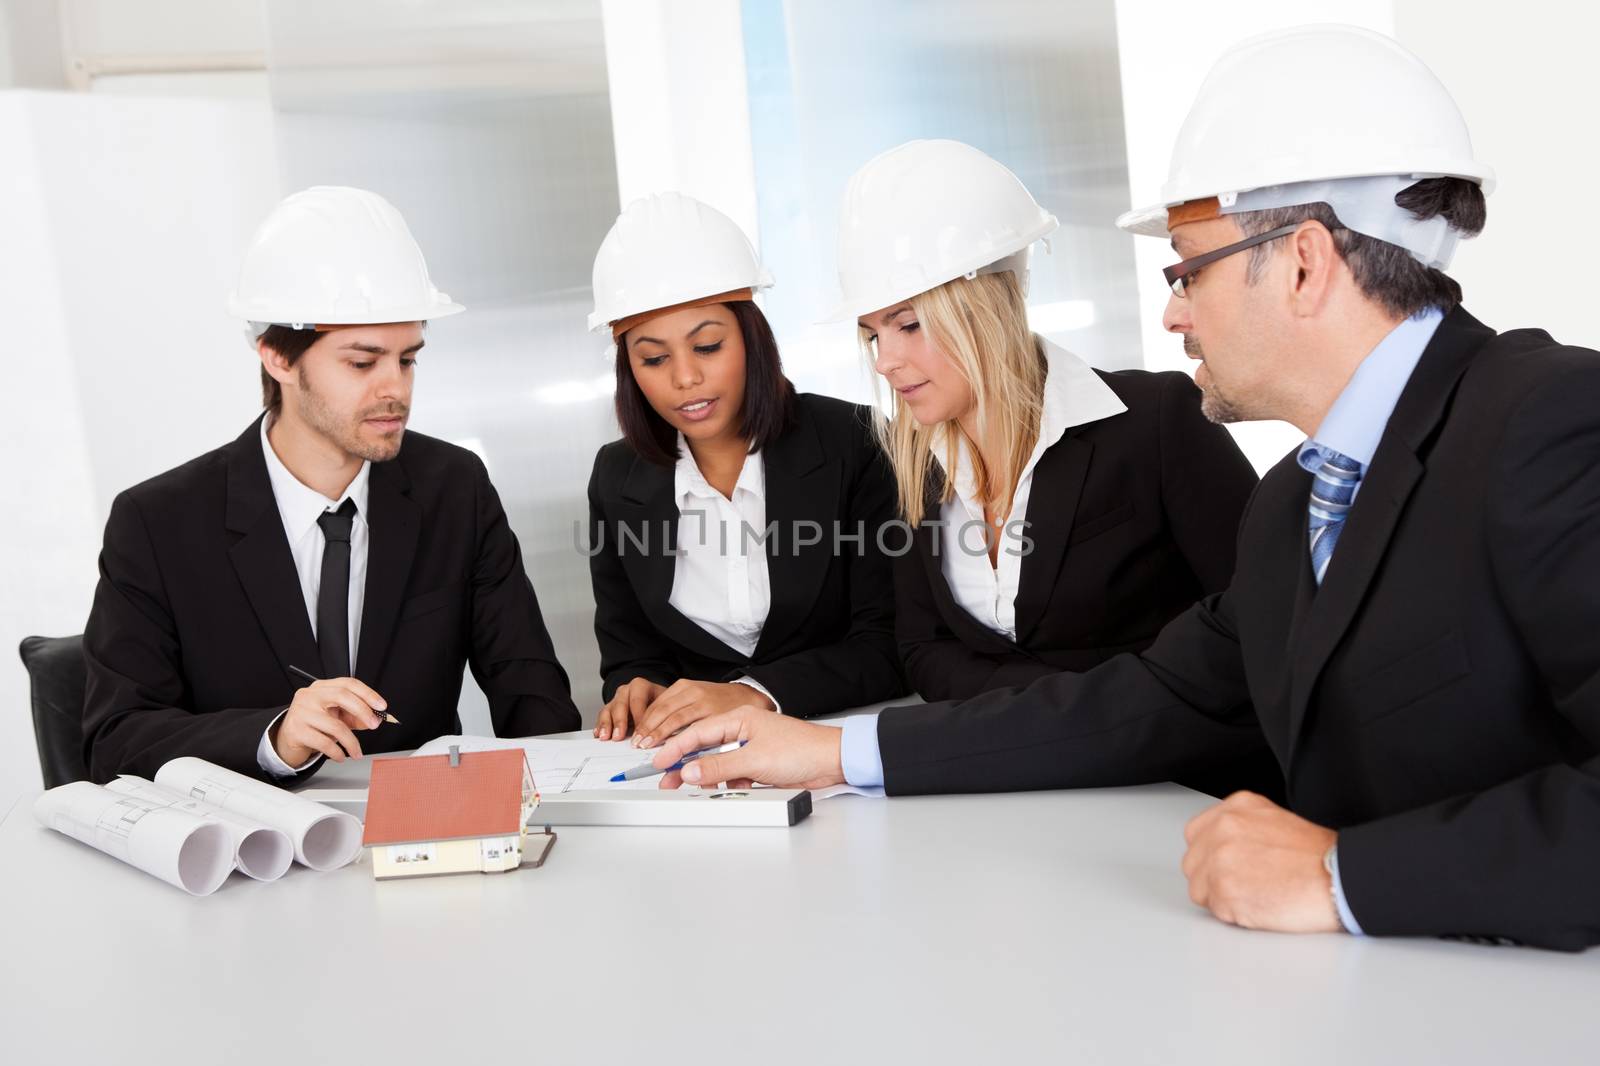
point(719, 579)
point(1074, 395)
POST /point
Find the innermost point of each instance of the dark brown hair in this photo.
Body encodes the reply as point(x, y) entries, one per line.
point(1386, 273)
point(291, 344)
point(768, 396)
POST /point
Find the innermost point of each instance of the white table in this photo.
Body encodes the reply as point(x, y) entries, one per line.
point(974, 929)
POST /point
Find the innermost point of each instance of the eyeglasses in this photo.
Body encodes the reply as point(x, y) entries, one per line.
point(1179, 275)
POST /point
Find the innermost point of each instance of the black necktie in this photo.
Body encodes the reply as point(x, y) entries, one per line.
point(333, 595)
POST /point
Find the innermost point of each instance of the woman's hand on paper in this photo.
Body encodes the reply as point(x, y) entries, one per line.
point(627, 706)
point(321, 719)
point(778, 751)
point(690, 701)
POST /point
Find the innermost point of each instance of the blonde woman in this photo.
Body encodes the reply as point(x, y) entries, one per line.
point(1061, 514)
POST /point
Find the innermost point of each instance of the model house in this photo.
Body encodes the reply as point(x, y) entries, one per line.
point(463, 812)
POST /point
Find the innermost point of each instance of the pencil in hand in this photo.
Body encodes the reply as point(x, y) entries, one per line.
point(310, 679)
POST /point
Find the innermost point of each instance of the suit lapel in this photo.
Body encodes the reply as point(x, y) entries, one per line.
point(973, 633)
point(261, 556)
point(394, 522)
point(647, 555)
point(652, 520)
point(1396, 469)
point(799, 489)
point(1277, 586)
point(1052, 506)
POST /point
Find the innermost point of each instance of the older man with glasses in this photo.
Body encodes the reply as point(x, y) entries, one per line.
point(1412, 624)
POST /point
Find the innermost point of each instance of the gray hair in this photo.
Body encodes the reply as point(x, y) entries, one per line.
point(1385, 273)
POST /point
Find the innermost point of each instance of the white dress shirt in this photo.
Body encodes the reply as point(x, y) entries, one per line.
point(300, 506)
point(1073, 396)
point(719, 578)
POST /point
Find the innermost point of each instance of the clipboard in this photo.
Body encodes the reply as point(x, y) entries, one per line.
point(773, 808)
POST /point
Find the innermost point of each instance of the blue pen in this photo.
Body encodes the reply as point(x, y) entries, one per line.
point(649, 770)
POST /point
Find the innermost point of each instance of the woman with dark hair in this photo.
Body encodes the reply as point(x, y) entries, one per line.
point(736, 529)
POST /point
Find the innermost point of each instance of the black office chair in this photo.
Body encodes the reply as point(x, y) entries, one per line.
point(56, 678)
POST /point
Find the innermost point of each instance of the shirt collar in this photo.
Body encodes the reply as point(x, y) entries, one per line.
point(1074, 395)
point(298, 503)
point(1355, 423)
point(688, 481)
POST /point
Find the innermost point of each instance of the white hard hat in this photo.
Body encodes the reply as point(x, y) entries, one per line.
point(1377, 112)
point(668, 249)
point(332, 255)
point(926, 213)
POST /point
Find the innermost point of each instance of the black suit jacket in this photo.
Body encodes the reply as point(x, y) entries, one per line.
point(828, 642)
point(199, 614)
point(1437, 700)
point(1133, 518)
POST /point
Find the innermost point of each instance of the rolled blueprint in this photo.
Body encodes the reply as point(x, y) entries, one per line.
point(259, 850)
point(192, 853)
point(324, 839)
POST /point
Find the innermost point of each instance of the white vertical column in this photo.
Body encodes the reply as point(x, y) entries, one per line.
point(680, 111)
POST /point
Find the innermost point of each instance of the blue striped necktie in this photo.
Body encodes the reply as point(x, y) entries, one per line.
point(1333, 487)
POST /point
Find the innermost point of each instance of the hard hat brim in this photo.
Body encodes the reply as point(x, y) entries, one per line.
point(1145, 221)
point(851, 308)
point(600, 320)
point(1151, 221)
point(379, 317)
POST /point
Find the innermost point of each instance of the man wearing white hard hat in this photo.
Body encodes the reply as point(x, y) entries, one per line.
point(328, 573)
point(1412, 623)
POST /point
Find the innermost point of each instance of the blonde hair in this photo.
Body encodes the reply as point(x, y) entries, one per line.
point(981, 326)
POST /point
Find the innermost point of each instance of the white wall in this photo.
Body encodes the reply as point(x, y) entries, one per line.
point(1523, 75)
point(30, 34)
point(7, 67)
point(50, 533)
point(147, 30)
point(125, 220)
point(58, 44)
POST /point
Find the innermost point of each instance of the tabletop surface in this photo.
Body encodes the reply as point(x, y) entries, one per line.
point(934, 929)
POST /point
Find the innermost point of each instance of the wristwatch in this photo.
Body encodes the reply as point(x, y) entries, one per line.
point(1328, 859)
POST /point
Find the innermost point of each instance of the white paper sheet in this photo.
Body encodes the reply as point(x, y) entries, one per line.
point(324, 839)
point(585, 763)
point(259, 851)
point(193, 853)
point(561, 765)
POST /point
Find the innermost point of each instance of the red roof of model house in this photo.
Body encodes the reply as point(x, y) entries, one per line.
point(427, 798)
